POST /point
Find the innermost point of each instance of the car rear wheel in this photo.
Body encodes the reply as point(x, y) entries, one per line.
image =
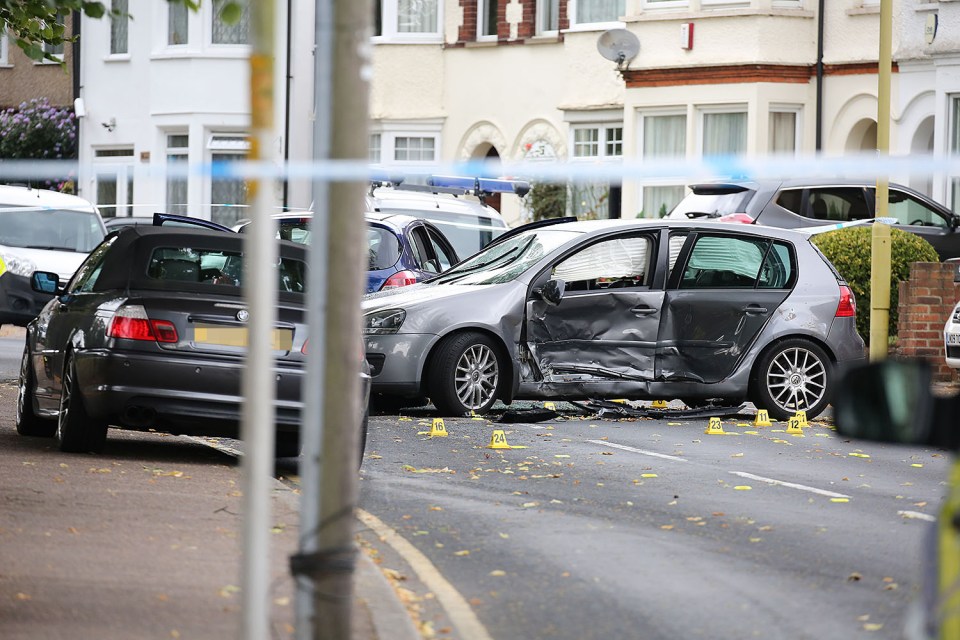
point(794, 375)
point(465, 374)
point(28, 422)
point(76, 431)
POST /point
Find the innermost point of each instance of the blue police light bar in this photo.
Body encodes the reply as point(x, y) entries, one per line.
point(478, 185)
point(381, 177)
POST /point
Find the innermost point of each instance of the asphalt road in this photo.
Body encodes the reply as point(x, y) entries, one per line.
point(11, 348)
point(651, 529)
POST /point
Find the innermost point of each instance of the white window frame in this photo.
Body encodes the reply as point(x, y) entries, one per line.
point(169, 9)
point(229, 143)
point(114, 20)
point(4, 46)
point(208, 24)
point(57, 57)
point(117, 162)
point(549, 30)
point(656, 5)
point(389, 131)
point(482, 6)
point(953, 148)
point(592, 26)
point(388, 20)
point(703, 111)
point(180, 152)
point(680, 110)
point(601, 128)
point(797, 110)
point(723, 4)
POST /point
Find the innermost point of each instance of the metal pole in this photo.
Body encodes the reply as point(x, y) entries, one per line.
point(880, 236)
point(314, 385)
point(260, 293)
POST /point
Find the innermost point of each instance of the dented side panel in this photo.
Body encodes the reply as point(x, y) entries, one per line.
point(594, 336)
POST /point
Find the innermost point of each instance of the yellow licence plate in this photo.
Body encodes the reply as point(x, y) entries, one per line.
point(280, 339)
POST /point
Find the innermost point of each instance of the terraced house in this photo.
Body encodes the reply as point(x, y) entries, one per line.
point(524, 80)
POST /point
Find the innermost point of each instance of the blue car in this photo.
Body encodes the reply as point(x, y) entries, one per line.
point(404, 250)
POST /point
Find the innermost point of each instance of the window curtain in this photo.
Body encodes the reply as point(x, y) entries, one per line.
point(176, 23)
point(783, 132)
point(224, 33)
point(600, 10)
point(119, 26)
point(659, 201)
point(724, 134)
point(664, 136)
point(417, 16)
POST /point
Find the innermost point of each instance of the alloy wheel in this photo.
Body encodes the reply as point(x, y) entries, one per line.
point(476, 376)
point(796, 379)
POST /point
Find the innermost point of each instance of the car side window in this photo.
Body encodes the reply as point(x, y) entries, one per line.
point(911, 211)
point(777, 269)
point(609, 264)
point(839, 204)
point(420, 246)
point(444, 255)
point(724, 262)
point(791, 200)
point(86, 276)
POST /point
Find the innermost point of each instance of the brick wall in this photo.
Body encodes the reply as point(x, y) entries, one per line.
point(925, 302)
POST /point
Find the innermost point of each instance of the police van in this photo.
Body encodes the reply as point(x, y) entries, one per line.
point(40, 230)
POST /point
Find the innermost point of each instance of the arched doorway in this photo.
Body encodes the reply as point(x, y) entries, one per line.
point(863, 137)
point(488, 154)
point(922, 144)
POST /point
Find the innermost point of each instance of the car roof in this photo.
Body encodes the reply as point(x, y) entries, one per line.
point(778, 183)
point(388, 199)
point(22, 196)
point(602, 226)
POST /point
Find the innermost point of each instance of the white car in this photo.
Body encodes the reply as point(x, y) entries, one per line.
point(951, 338)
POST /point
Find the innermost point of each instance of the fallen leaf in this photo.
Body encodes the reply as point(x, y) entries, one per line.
point(854, 577)
point(742, 487)
point(498, 573)
point(736, 455)
point(229, 590)
point(666, 527)
point(463, 552)
point(24, 596)
point(528, 505)
point(873, 626)
point(435, 508)
point(648, 475)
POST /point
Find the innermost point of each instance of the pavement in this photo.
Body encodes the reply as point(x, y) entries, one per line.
point(143, 541)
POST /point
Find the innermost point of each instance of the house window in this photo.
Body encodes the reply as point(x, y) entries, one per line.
point(225, 33)
point(414, 149)
point(226, 193)
point(375, 150)
point(177, 20)
point(178, 149)
point(486, 19)
point(588, 11)
point(115, 183)
point(664, 136)
point(4, 45)
point(408, 19)
point(596, 142)
point(659, 4)
point(724, 133)
point(548, 16)
point(56, 50)
point(119, 27)
point(783, 132)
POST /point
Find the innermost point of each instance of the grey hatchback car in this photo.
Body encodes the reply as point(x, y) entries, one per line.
point(699, 311)
point(800, 203)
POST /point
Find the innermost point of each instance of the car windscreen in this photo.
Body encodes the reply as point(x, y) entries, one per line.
point(383, 248)
point(467, 233)
point(197, 266)
point(50, 229)
point(506, 260)
point(711, 205)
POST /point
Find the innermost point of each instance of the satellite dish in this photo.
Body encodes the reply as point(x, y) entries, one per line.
point(618, 45)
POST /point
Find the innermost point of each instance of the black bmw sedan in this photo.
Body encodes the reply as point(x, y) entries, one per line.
point(150, 333)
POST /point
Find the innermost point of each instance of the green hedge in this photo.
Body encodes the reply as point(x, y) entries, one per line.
point(849, 251)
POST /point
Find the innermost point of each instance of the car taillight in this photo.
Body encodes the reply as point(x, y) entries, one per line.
point(400, 279)
point(132, 323)
point(848, 304)
point(736, 217)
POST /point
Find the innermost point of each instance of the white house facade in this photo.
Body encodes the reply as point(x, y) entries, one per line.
point(523, 80)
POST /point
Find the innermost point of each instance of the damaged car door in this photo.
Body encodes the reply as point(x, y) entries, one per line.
point(724, 290)
point(604, 328)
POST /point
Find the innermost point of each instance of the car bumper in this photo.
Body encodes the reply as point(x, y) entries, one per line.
point(951, 343)
point(397, 362)
point(199, 396)
point(19, 303)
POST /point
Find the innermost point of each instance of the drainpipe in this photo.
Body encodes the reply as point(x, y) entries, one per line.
point(75, 51)
point(819, 126)
point(286, 106)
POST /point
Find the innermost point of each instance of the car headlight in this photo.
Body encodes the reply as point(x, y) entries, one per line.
point(18, 265)
point(956, 315)
point(382, 322)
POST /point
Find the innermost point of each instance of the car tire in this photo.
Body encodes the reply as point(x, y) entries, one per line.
point(793, 375)
point(76, 431)
point(363, 434)
point(27, 421)
point(465, 374)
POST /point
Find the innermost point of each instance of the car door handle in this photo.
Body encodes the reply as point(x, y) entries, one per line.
point(754, 309)
point(643, 311)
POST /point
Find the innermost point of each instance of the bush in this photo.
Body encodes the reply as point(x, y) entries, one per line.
point(546, 200)
point(849, 251)
point(37, 130)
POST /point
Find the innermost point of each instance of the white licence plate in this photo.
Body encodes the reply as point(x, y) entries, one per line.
point(953, 338)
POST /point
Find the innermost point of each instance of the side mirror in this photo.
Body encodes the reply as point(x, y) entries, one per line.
point(45, 282)
point(890, 401)
point(552, 291)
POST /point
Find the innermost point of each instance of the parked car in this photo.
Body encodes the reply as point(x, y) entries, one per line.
point(809, 203)
point(125, 221)
point(40, 230)
point(951, 338)
point(150, 334)
point(635, 309)
point(402, 250)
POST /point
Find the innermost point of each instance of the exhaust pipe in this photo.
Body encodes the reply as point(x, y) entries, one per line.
point(139, 416)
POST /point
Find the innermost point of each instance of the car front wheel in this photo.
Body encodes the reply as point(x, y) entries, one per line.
point(794, 375)
point(465, 375)
point(76, 431)
point(28, 422)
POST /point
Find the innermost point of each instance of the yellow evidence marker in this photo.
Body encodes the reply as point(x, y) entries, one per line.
point(762, 419)
point(498, 440)
point(437, 429)
point(715, 427)
point(793, 427)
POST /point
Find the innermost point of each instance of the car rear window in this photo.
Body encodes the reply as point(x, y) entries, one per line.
point(193, 265)
point(711, 205)
point(384, 248)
